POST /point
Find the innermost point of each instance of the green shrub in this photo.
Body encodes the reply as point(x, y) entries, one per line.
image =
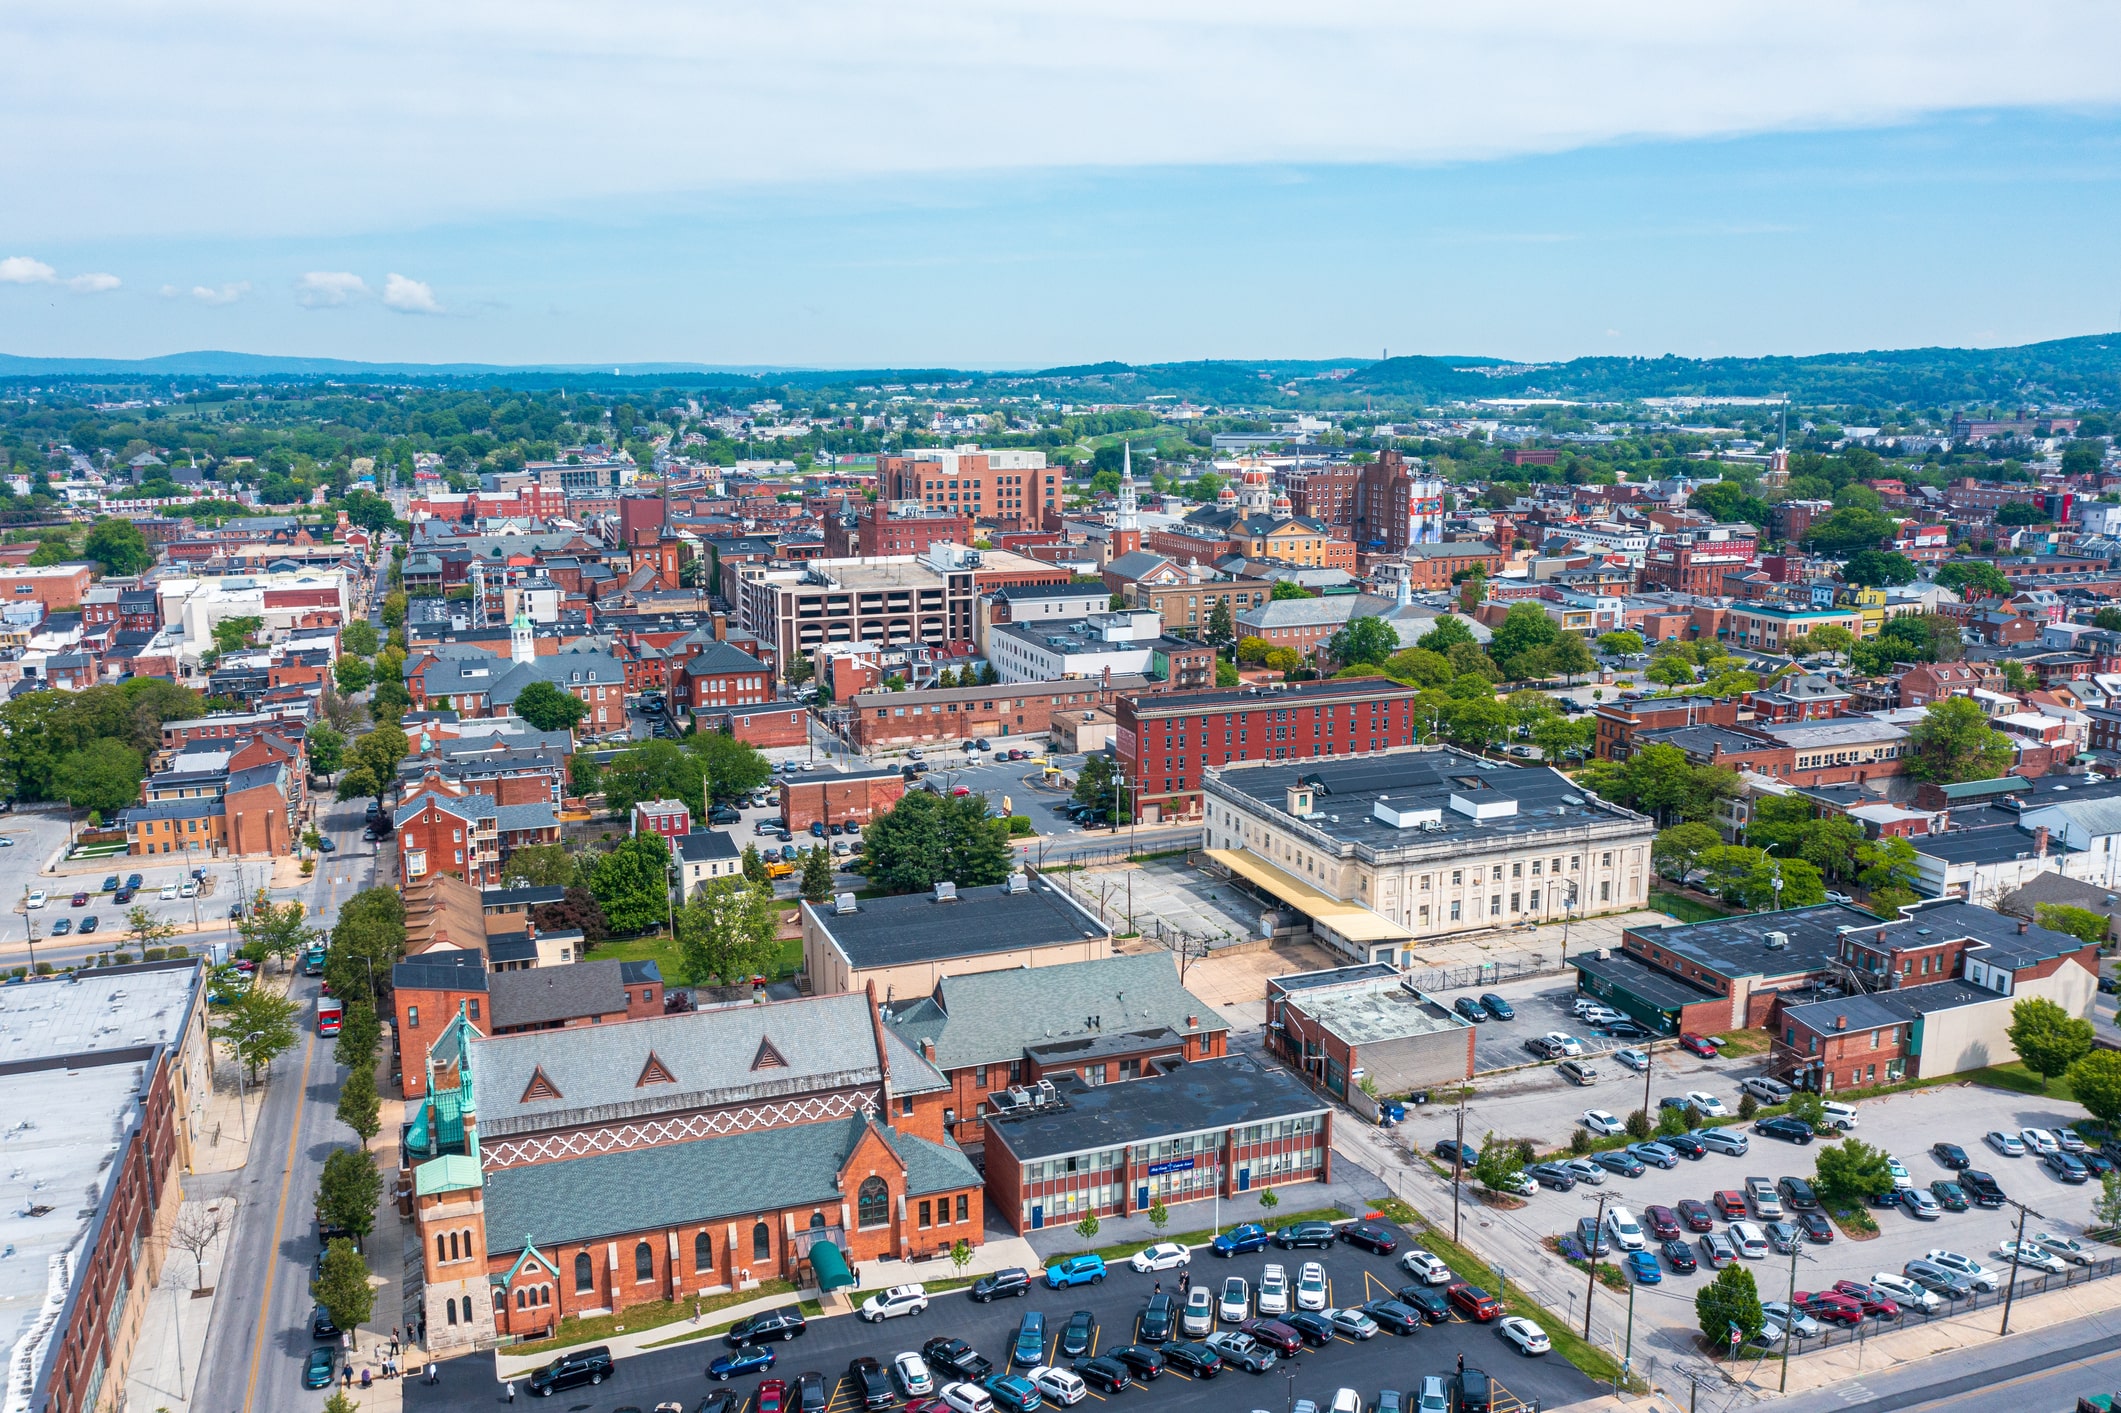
point(1639, 1126)
point(1580, 1142)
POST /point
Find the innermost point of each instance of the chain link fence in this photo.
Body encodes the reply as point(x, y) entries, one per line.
point(1434, 979)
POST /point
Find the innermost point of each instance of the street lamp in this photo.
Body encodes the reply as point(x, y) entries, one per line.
point(242, 1112)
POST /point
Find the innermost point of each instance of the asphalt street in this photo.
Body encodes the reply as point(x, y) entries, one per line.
point(677, 1373)
point(260, 1331)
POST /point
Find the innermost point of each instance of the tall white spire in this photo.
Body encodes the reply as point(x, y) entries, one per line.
point(1129, 515)
point(522, 638)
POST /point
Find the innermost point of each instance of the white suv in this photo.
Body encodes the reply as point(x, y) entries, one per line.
point(1627, 1233)
point(1273, 1294)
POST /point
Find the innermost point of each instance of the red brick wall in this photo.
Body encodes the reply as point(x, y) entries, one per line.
point(421, 1015)
point(838, 800)
point(1166, 746)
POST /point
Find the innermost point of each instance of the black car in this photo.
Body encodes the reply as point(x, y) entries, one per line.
point(1817, 1230)
point(1680, 1256)
point(1078, 1334)
point(1104, 1373)
point(1392, 1315)
point(583, 1366)
point(720, 1400)
point(1797, 1193)
point(1980, 1188)
point(871, 1384)
point(1625, 1030)
point(1159, 1319)
point(1013, 1281)
point(810, 1395)
point(954, 1356)
point(1784, 1127)
point(1316, 1330)
point(1370, 1236)
point(724, 814)
point(1470, 1009)
point(320, 1325)
point(1434, 1305)
point(1141, 1361)
point(785, 1323)
point(1950, 1155)
point(1552, 1175)
point(1497, 1007)
point(1685, 1145)
point(1318, 1234)
point(1195, 1359)
point(1450, 1150)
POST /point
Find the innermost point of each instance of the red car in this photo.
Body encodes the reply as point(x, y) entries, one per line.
point(80, 900)
point(1696, 1214)
point(1834, 1309)
point(1662, 1221)
point(773, 1396)
point(961, 790)
point(1872, 1299)
point(1473, 1302)
point(1730, 1204)
point(1698, 1044)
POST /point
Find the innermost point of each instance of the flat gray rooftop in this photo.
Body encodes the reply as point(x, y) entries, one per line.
point(1380, 1011)
point(100, 1010)
point(914, 927)
point(1350, 788)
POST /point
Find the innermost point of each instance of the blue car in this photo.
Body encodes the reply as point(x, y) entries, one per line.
point(1030, 1347)
point(1076, 1270)
point(1643, 1265)
point(1238, 1240)
point(319, 1371)
point(740, 1361)
point(1013, 1392)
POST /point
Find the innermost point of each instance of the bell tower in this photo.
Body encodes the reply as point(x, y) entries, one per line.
point(522, 638)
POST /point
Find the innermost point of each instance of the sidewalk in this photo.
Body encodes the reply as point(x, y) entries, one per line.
point(165, 1363)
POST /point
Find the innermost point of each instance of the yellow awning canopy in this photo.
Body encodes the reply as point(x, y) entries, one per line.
point(1350, 920)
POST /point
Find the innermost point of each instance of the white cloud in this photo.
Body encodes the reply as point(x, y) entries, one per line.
point(21, 270)
point(375, 115)
point(321, 289)
point(98, 283)
point(409, 296)
point(225, 294)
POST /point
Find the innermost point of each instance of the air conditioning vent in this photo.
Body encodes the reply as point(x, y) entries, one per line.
point(843, 903)
point(946, 892)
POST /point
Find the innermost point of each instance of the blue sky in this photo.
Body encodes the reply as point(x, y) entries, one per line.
point(1015, 203)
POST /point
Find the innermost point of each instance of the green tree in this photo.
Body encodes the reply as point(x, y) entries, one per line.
point(1419, 667)
point(1480, 723)
point(1887, 869)
point(366, 942)
point(1833, 845)
point(549, 708)
point(119, 547)
point(1363, 641)
point(358, 1107)
point(1669, 672)
point(274, 930)
point(1731, 1301)
point(1559, 738)
point(584, 775)
point(1159, 1215)
point(654, 770)
point(2081, 923)
point(816, 884)
point(103, 776)
point(754, 866)
point(1222, 625)
point(2106, 1207)
point(1625, 642)
point(1974, 579)
point(1525, 628)
point(632, 883)
point(730, 929)
point(1448, 633)
point(352, 674)
point(1497, 1164)
point(1729, 503)
point(1831, 638)
point(1672, 1122)
point(230, 634)
point(1779, 823)
point(730, 769)
point(540, 866)
point(2095, 1080)
point(342, 1288)
point(360, 1033)
point(327, 748)
point(1954, 742)
point(1677, 851)
point(2021, 512)
point(1878, 569)
point(1809, 1106)
point(1639, 1126)
point(146, 929)
point(394, 609)
point(1571, 657)
point(373, 767)
point(1851, 1171)
point(2047, 1038)
point(925, 838)
point(358, 638)
point(1287, 589)
point(348, 1191)
point(256, 1026)
point(1097, 786)
point(1846, 531)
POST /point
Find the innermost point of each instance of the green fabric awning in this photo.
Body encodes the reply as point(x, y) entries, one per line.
point(830, 1266)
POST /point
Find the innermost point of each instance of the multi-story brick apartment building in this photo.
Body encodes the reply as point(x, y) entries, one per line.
point(1010, 488)
point(1433, 566)
point(55, 586)
point(1166, 744)
point(884, 719)
point(1695, 561)
point(588, 1169)
point(883, 528)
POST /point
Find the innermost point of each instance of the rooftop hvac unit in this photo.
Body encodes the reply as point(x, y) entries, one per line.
point(1778, 940)
point(945, 892)
point(1018, 883)
point(843, 903)
point(1046, 1093)
point(1605, 954)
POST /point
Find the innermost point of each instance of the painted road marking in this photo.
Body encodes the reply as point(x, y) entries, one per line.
point(272, 1267)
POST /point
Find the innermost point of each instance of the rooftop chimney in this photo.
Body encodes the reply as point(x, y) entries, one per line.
point(2023, 928)
point(1841, 1022)
point(2040, 841)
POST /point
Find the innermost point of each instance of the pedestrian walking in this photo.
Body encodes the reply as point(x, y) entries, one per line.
point(433, 1370)
point(1159, 1288)
point(393, 1339)
point(346, 1377)
point(511, 1390)
point(1461, 1363)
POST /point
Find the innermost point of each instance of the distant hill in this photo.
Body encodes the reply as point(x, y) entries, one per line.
point(2079, 370)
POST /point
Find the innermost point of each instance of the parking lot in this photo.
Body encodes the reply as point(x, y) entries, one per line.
point(1541, 1005)
point(1904, 1125)
point(1383, 1361)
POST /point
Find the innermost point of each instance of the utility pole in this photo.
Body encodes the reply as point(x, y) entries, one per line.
point(2010, 1288)
point(1590, 1261)
point(1458, 1162)
point(1789, 1333)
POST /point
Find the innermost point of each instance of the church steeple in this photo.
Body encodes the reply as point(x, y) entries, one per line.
point(1129, 510)
point(522, 638)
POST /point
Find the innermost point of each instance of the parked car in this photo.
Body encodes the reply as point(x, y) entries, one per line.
point(1784, 1127)
point(1311, 1287)
point(1198, 1361)
point(1950, 1196)
point(1590, 1236)
point(1829, 1307)
point(1577, 1071)
point(1425, 1267)
point(869, 1383)
point(1767, 1091)
point(898, 1300)
point(1634, 1059)
point(2067, 1247)
point(955, 1357)
point(1680, 1256)
point(748, 1360)
point(1552, 1175)
point(1461, 1155)
point(1700, 1045)
point(1352, 1323)
point(1198, 1316)
point(1655, 1153)
point(1012, 1280)
point(1473, 1302)
point(1919, 1204)
point(1163, 1256)
point(1905, 1292)
point(1642, 1265)
point(1750, 1240)
point(1950, 1155)
point(1471, 1009)
point(1716, 1249)
point(571, 1370)
point(1603, 1122)
point(1937, 1280)
point(913, 1375)
point(1370, 1236)
point(1142, 1361)
point(1434, 1305)
point(1722, 1140)
point(2008, 1144)
point(1874, 1301)
point(1621, 1161)
point(1696, 1214)
point(1250, 1236)
point(1981, 1189)
point(1497, 1007)
point(1105, 1374)
point(1158, 1321)
point(1318, 1234)
point(1966, 1268)
point(1076, 1270)
point(1394, 1315)
point(1817, 1230)
point(783, 1323)
point(1782, 1237)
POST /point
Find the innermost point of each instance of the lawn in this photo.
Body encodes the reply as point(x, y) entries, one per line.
point(1684, 908)
point(574, 1331)
point(2015, 1076)
point(1743, 1042)
point(662, 949)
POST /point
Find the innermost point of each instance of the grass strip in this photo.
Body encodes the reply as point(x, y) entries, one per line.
point(573, 1330)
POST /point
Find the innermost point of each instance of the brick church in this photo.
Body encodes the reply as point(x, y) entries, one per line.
point(580, 1171)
